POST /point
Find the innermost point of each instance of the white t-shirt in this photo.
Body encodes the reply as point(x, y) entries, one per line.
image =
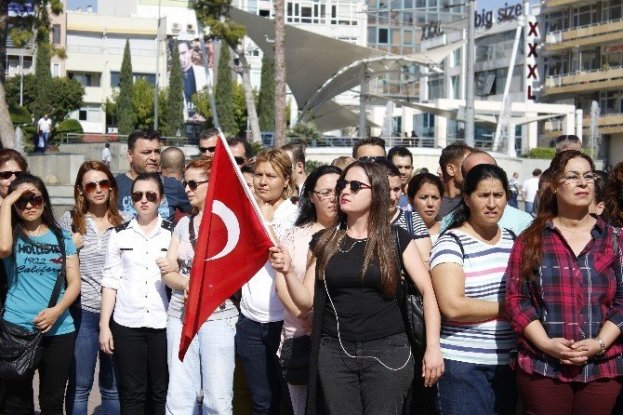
point(44, 125)
point(531, 186)
point(106, 156)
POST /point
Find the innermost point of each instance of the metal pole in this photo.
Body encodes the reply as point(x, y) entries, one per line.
point(21, 79)
point(362, 102)
point(157, 70)
point(469, 74)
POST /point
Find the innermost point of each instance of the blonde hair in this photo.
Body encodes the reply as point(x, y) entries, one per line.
point(281, 163)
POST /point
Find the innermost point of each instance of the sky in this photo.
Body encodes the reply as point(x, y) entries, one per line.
point(74, 4)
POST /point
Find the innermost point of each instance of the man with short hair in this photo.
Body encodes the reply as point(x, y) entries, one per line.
point(296, 152)
point(144, 157)
point(568, 142)
point(207, 141)
point(194, 76)
point(44, 128)
point(513, 219)
point(172, 163)
point(369, 148)
point(106, 154)
point(402, 158)
point(450, 161)
point(241, 149)
point(530, 188)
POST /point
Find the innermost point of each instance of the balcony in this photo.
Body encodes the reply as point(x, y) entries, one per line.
point(594, 34)
point(551, 4)
point(608, 124)
point(602, 79)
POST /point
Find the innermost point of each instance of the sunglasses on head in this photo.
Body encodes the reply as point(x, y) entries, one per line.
point(6, 175)
point(151, 196)
point(193, 184)
point(29, 198)
point(91, 187)
point(204, 149)
point(371, 159)
point(355, 185)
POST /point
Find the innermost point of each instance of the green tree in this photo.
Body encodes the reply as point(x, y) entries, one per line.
point(266, 103)
point(223, 94)
point(126, 117)
point(43, 80)
point(67, 97)
point(174, 115)
point(143, 103)
point(239, 109)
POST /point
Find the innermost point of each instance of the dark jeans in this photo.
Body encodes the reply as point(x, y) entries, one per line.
point(422, 399)
point(362, 385)
point(256, 346)
point(53, 370)
point(542, 395)
point(81, 376)
point(141, 359)
point(469, 388)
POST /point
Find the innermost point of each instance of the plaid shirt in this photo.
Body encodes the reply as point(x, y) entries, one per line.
point(572, 297)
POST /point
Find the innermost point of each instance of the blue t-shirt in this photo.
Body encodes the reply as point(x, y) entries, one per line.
point(174, 197)
point(37, 266)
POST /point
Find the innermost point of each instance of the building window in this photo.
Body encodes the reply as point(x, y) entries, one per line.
point(115, 78)
point(383, 36)
point(56, 34)
point(56, 69)
point(82, 115)
point(86, 78)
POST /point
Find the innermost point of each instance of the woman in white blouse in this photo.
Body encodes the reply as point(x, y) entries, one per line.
point(134, 295)
point(258, 331)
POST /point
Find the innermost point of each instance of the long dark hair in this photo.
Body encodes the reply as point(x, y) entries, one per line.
point(614, 195)
point(47, 217)
point(380, 244)
point(548, 210)
point(471, 181)
point(82, 205)
point(307, 211)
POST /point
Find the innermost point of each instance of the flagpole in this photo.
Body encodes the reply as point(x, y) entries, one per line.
point(247, 191)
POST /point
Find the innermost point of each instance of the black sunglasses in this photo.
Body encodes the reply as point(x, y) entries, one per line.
point(371, 159)
point(193, 184)
point(204, 149)
point(355, 185)
point(6, 175)
point(138, 196)
point(91, 187)
point(35, 201)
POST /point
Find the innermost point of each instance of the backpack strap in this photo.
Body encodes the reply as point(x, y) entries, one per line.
point(191, 232)
point(409, 220)
point(61, 275)
point(513, 236)
point(458, 241)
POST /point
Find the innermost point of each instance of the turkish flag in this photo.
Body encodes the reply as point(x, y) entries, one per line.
point(232, 244)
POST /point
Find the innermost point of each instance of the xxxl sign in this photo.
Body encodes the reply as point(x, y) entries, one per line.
point(531, 72)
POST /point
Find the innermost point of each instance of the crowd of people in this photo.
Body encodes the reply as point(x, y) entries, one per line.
point(523, 309)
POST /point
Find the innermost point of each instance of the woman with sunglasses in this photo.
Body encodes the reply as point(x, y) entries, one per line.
point(258, 330)
point(91, 222)
point(564, 298)
point(208, 367)
point(12, 164)
point(317, 210)
point(467, 266)
point(135, 296)
point(32, 247)
point(360, 353)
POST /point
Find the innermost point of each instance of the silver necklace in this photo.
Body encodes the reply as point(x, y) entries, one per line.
point(351, 247)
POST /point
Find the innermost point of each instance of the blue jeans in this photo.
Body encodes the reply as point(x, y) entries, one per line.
point(468, 388)
point(256, 345)
point(208, 365)
point(529, 207)
point(83, 368)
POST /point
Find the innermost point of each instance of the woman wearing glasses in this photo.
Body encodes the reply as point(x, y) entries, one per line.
point(208, 367)
point(91, 222)
point(12, 164)
point(34, 249)
point(564, 298)
point(317, 209)
point(258, 330)
point(134, 295)
point(361, 361)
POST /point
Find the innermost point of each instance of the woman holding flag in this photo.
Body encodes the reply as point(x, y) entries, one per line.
point(258, 331)
point(207, 371)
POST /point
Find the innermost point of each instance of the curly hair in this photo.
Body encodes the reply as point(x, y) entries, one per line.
point(614, 195)
point(548, 210)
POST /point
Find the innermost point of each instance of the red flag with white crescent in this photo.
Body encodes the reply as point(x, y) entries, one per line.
point(232, 243)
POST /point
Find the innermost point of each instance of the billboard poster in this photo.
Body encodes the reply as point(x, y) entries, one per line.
point(194, 74)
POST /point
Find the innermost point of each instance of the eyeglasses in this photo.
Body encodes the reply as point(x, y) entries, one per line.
point(355, 185)
point(371, 159)
point(574, 179)
point(193, 184)
point(209, 149)
point(325, 194)
point(91, 187)
point(151, 196)
point(35, 201)
point(6, 175)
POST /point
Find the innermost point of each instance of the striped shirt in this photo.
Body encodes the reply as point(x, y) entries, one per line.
point(419, 227)
point(486, 342)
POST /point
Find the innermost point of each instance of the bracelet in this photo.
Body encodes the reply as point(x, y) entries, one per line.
point(602, 345)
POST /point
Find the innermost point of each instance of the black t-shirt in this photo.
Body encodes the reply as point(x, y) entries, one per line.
point(363, 311)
